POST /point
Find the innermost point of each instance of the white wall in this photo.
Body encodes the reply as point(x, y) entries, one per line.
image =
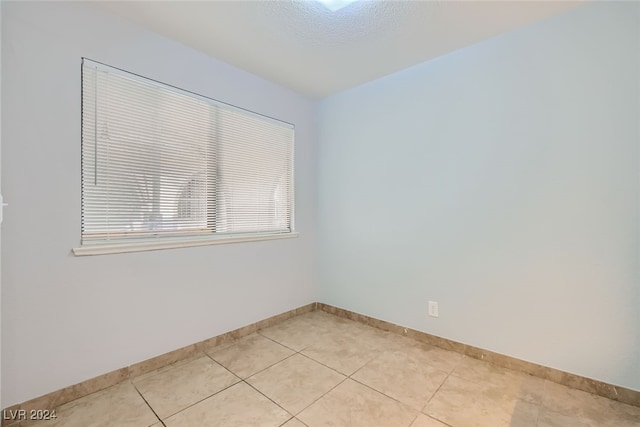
point(502, 181)
point(67, 319)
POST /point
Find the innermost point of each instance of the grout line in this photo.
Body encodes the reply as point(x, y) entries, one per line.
point(205, 398)
point(272, 401)
point(433, 395)
point(440, 421)
point(315, 400)
point(278, 342)
point(414, 419)
point(449, 374)
point(431, 418)
point(150, 407)
point(321, 396)
point(384, 394)
point(363, 366)
point(437, 390)
point(286, 421)
point(270, 366)
point(326, 366)
point(211, 357)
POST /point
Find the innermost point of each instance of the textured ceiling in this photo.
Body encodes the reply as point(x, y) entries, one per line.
point(304, 46)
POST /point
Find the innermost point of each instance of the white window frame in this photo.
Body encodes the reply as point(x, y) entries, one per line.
point(122, 244)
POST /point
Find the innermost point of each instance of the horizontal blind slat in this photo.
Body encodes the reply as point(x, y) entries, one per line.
point(158, 162)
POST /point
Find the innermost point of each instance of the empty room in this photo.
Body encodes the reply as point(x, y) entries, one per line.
point(321, 213)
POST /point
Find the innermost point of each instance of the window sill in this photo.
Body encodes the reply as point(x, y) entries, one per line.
point(118, 248)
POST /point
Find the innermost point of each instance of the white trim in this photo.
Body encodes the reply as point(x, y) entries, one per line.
point(118, 248)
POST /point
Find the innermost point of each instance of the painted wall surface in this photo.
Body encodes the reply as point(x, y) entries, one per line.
point(66, 319)
point(501, 181)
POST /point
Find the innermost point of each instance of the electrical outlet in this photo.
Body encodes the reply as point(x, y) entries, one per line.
point(433, 309)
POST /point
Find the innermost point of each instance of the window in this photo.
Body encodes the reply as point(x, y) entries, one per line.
point(163, 167)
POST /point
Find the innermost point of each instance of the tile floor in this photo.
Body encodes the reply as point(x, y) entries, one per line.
point(320, 370)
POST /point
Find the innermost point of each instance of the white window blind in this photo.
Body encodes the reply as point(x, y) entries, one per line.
point(162, 163)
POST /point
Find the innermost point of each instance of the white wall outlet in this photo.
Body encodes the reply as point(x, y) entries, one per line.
point(433, 309)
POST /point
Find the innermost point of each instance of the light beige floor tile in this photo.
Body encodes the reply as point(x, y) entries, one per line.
point(293, 422)
point(326, 320)
point(464, 403)
point(438, 358)
point(305, 330)
point(354, 405)
point(296, 382)
point(120, 405)
point(176, 387)
point(347, 347)
point(424, 421)
point(552, 419)
point(567, 406)
point(403, 376)
point(238, 406)
point(345, 354)
point(297, 333)
point(373, 336)
point(374, 339)
point(522, 386)
point(250, 355)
